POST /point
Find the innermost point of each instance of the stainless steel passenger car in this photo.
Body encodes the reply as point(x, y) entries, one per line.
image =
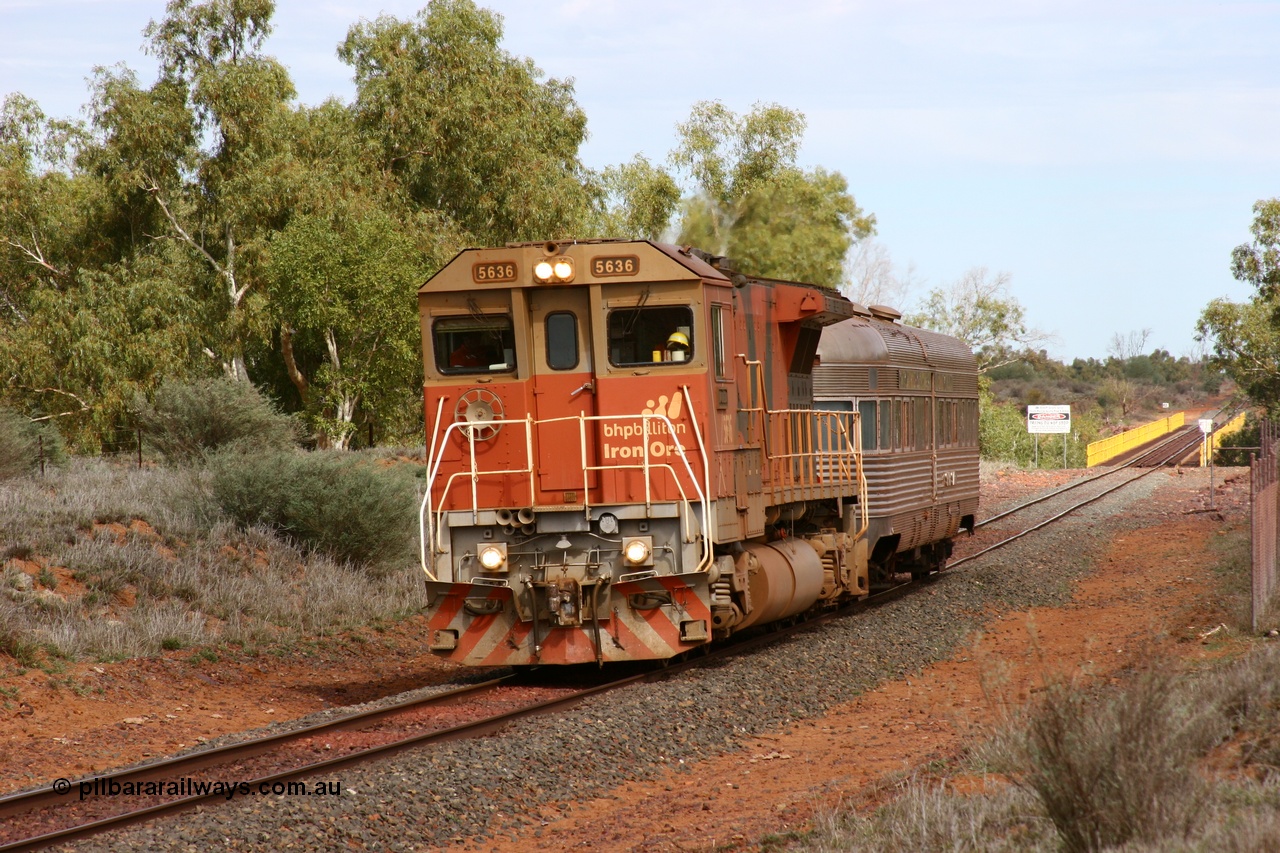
point(916, 393)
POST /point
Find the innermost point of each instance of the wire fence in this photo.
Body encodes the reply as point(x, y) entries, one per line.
point(1264, 500)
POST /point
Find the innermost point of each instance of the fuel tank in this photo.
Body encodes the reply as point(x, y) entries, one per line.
point(783, 578)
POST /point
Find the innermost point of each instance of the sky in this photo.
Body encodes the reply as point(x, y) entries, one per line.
point(1105, 155)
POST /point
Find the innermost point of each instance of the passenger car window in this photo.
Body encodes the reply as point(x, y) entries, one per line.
point(867, 415)
point(474, 344)
point(658, 335)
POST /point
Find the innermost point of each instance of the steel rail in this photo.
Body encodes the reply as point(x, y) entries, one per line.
point(1178, 450)
point(1166, 440)
point(24, 802)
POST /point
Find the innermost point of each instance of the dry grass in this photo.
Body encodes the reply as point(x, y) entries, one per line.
point(1161, 761)
point(106, 561)
point(927, 816)
point(1117, 765)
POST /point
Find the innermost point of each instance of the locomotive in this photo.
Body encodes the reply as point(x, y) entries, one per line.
point(634, 450)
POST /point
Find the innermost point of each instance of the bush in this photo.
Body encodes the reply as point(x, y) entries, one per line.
point(1250, 437)
point(186, 420)
point(1248, 693)
point(1116, 767)
point(333, 502)
point(22, 441)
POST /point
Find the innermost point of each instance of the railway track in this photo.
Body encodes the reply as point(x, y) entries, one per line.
point(1170, 451)
point(70, 810)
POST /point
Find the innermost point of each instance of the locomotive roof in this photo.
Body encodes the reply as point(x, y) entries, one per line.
point(869, 340)
point(655, 258)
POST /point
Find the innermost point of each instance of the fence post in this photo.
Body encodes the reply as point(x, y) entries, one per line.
point(139, 448)
point(1264, 517)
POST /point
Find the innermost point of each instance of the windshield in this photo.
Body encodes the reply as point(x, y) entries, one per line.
point(474, 344)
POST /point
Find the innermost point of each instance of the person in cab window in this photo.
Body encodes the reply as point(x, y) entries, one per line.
point(468, 354)
point(678, 347)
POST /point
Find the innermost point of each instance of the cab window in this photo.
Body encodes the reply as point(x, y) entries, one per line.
point(562, 341)
point(474, 344)
point(657, 335)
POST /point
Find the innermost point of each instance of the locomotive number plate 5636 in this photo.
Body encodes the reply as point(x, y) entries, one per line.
point(615, 265)
point(494, 271)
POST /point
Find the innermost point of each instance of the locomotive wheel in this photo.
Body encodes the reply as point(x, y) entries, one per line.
point(478, 408)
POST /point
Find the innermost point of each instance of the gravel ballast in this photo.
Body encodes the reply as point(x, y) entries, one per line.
point(471, 791)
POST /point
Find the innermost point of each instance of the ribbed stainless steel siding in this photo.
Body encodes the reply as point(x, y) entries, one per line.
point(897, 482)
point(905, 489)
point(843, 381)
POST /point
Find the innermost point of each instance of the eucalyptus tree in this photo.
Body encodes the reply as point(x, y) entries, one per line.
point(751, 201)
point(1245, 337)
point(343, 290)
point(85, 322)
point(635, 200)
point(41, 206)
point(979, 310)
point(468, 129)
point(206, 161)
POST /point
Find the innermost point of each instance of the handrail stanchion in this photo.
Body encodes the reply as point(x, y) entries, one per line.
point(528, 455)
point(705, 563)
point(586, 476)
point(648, 492)
point(424, 512)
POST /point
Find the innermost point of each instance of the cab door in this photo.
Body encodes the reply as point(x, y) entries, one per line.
point(563, 389)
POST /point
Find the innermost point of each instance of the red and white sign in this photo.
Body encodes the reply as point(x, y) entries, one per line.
point(1051, 419)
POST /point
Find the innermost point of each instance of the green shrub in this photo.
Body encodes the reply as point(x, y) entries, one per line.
point(1250, 437)
point(186, 420)
point(333, 502)
point(22, 442)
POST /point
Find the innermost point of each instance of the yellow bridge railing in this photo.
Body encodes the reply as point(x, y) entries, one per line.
point(1109, 448)
point(1229, 428)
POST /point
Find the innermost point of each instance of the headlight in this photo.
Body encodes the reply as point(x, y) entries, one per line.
point(637, 551)
point(493, 557)
point(554, 269)
point(608, 523)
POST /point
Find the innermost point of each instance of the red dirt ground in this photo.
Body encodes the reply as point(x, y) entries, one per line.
point(1150, 594)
